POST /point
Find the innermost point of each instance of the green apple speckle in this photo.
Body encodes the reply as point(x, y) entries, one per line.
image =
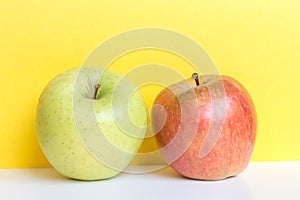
point(71, 124)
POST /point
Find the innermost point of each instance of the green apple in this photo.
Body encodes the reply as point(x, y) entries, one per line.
point(90, 123)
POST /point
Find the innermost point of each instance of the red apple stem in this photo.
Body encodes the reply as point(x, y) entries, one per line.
point(97, 86)
point(196, 78)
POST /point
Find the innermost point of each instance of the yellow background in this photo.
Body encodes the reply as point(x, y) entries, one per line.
point(257, 42)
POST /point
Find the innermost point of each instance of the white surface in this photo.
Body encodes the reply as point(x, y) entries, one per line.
point(266, 181)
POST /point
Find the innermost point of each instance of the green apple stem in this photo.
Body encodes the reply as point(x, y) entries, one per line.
point(97, 86)
point(196, 78)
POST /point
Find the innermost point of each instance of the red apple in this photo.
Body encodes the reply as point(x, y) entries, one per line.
point(205, 127)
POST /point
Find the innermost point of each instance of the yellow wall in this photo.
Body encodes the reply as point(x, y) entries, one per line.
point(257, 42)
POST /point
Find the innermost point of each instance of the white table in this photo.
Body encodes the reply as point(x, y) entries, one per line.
point(266, 181)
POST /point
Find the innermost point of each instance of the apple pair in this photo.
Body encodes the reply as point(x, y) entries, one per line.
point(91, 122)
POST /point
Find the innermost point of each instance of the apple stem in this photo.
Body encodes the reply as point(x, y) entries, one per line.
point(196, 78)
point(97, 86)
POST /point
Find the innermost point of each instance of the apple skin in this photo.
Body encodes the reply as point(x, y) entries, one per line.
point(233, 147)
point(57, 128)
